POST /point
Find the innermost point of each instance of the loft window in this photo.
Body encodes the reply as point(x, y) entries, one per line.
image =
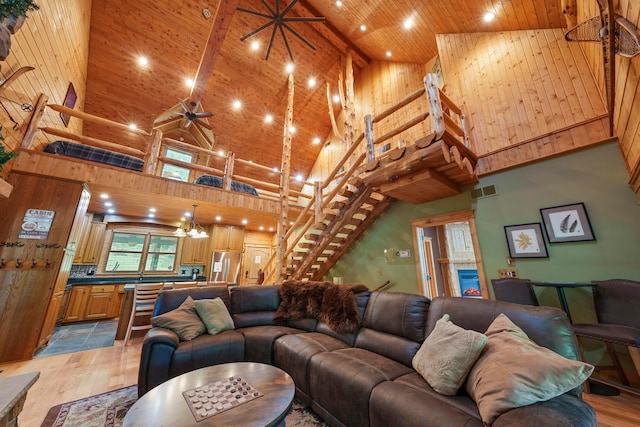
point(136, 253)
point(177, 172)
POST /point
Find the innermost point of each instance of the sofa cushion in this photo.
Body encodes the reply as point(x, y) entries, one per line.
point(395, 404)
point(293, 353)
point(259, 341)
point(513, 371)
point(207, 350)
point(214, 315)
point(351, 373)
point(184, 321)
point(447, 355)
point(253, 305)
point(172, 298)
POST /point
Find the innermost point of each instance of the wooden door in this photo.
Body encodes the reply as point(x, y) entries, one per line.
point(255, 259)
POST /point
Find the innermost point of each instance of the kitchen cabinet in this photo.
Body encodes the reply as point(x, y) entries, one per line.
point(95, 240)
point(94, 302)
point(194, 251)
point(228, 238)
point(77, 303)
point(81, 237)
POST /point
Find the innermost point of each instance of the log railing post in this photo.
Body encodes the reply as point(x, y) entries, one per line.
point(153, 153)
point(317, 186)
point(228, 171)
point(368, 133)
point(433, 96)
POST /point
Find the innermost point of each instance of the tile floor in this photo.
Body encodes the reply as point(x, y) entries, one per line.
point(80, 336)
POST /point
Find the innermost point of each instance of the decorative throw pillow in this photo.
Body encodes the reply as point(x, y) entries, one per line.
point(184, 321)
point(513, 371)
point(214, 314)
point(447, 355)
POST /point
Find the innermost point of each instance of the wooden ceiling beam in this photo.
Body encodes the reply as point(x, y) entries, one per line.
point(334, 36)
point(219, 28)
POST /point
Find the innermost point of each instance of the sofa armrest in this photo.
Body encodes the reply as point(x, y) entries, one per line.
point(155, 359)
point(566, 410)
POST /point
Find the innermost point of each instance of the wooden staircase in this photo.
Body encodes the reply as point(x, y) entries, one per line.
point(340, 226)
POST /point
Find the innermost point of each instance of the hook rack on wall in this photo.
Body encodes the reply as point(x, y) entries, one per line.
point(19, 264)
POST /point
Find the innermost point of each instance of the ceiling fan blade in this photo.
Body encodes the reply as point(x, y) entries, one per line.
point(184, 106)
point(204, 114)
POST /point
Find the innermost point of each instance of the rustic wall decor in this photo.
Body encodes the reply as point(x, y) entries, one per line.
point(567, 223)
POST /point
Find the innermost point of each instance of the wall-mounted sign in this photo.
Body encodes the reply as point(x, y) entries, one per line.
point(36, 224)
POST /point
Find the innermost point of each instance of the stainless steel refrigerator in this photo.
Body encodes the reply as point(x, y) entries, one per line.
point(225, 267)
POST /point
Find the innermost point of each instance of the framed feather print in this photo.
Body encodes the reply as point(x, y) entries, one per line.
point(567, 223)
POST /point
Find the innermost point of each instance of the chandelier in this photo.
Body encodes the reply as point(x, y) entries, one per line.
point(191, 229)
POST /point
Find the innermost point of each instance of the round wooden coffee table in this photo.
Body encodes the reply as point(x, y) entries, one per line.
point(166, 406)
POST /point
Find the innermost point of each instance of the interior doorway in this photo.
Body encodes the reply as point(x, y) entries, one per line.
point(254, 262)
point(449, 261)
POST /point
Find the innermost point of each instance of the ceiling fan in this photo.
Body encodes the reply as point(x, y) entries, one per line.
point(191, 116)
point(617, 35)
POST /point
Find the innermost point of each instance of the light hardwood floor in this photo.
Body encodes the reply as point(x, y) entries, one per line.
point(73, 376)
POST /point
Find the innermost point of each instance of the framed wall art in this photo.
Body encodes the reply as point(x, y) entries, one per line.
point(526, 241)
point(69, 101)
point(567, 223)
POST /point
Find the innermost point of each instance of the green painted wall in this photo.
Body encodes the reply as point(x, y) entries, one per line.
point(595, 176)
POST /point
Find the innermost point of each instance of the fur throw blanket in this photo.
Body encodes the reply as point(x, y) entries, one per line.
point(332, 304)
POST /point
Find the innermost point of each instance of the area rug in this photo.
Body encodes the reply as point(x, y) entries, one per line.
point(108, 410)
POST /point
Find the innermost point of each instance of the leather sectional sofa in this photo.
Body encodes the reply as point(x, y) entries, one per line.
point(363, 378)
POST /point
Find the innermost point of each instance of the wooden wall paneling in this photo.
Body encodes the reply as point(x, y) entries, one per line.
point(58, 49)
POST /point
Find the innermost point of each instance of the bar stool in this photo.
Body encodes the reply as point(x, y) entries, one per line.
point(144, 300)
point(182, 285)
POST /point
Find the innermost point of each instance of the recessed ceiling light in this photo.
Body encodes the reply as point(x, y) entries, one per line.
point(255, 45)
point(220, 153)
point(408, 23)
point(268, 118)
point(189, 82)
point(104, 196)
point(363, 27)
point(489, 16)
point(339, 3)
point(292, 129)
point(187, 214)
point(299, 177)
point(244, 222)
point(152, 209)
point(143, 61)
point(336, 98)
point(316, 140)
point(133, 126)
point(388, 53)
point(111, 211)
point(237, 104)
point(289, 68)
point(270, 228)
point(275, 169)
point(151, 215)
point(218, 217)
point(108, 204)
point(311, 82)
point(261, 228)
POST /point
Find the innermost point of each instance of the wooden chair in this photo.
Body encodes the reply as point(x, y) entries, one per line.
point(519, 291)
point(616, 304)
point(183, 285)
point(144, 299)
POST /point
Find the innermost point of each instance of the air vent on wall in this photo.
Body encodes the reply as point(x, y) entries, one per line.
point(479, 193)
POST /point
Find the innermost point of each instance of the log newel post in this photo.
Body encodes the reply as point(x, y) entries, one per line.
point(228, 171)
point(153, 153)
point(285, 171)
point(433, 96)
point(317, 186)
point(368, 133)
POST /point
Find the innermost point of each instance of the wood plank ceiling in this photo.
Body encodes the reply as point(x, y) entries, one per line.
point(172, 35)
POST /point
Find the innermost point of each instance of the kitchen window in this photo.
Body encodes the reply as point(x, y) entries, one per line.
point(137, 253)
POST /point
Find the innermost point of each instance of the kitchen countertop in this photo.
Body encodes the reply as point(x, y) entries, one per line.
point(105, 280)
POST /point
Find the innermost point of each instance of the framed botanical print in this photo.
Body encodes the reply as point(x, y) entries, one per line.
point(526, 241)
point(567, 223)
